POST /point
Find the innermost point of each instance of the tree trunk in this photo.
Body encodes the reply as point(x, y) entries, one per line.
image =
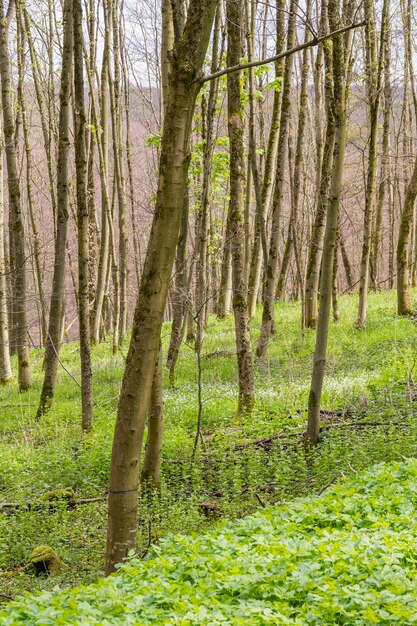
point(326, 152)
point(53, 340)
point(270, 165)
point(151, 472)
point(236, 129)
point(384, 181)
point(403, 254)
point(332, 221)
point(5, 365)
point(181, 293)
point(187, 60)
point(271, 269)
point(295, 195)
point(373, 71)
point(225, 291)
point(15, 210)
point(105, 208)
point(82, 219)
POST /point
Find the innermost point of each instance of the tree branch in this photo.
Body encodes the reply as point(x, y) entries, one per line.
point(286, 53)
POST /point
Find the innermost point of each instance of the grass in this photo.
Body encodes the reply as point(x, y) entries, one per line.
point(366, 373)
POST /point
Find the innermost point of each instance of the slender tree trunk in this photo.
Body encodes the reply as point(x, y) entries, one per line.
point(270, 165)
point(151, 472)
point(346, 262)
point(38, 274)
point(271, 269)
point(384, 180)
point(225, 292)
point(82, 218)
point(403, 254)
point(46, 130)
point(295, 195)
point(236, 129)
point(115, 107)
point(180, 301)
point(187, 60)
point(53, 340)
point(105, 207)
point(335, 281)
point(326, 153)
point(15, 209)
point(5, 366)
point(202, 266)
point(332, 221)
point(373, 70)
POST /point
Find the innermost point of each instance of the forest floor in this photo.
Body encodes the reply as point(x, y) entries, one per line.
point(239, 467)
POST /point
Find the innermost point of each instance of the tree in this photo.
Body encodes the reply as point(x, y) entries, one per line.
point(271, 267)
point(15, 209)
point(340, 59)
point(403, 254)
point(236, 128)
point(374, 65)
point(187, 59)
point(82, 218)
point(53, 339)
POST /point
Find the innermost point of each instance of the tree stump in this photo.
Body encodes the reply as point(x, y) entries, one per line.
point(46, 561)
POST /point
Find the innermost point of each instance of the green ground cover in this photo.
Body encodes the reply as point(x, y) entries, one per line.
point(348, 556)
point(367, 375)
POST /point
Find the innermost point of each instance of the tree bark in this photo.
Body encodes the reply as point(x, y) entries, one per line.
point(403, 247)
point(53, 340)
point(6, 374)
point(151, 472)
point(270, 166)
point(271, 269)
point(187, 60)
point(15, 209)
point(373, 70)
point(332, 221)
point(82, 218)
point(236, 128)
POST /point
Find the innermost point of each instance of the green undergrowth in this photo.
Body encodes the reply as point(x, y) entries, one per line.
point(367, 374)
point(347, 556)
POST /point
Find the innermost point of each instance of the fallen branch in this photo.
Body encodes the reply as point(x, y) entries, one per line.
point(329, 484)
point(265, 443)
point(70, 503)
point(261, 502)
point(223, 353)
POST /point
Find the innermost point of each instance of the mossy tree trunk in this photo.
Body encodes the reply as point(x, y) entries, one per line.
point(236, 128)
point(298, 163)
point(271, 268)
point(384, 177)
point(82, 217)
point(102, 270)
point(339, 76)
point(187, 60)
point(404, 306)
point(270, 165)
point(325, 163)
point(53, 340)
point(15, 209)
point(374, 66)
point(5, 364)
